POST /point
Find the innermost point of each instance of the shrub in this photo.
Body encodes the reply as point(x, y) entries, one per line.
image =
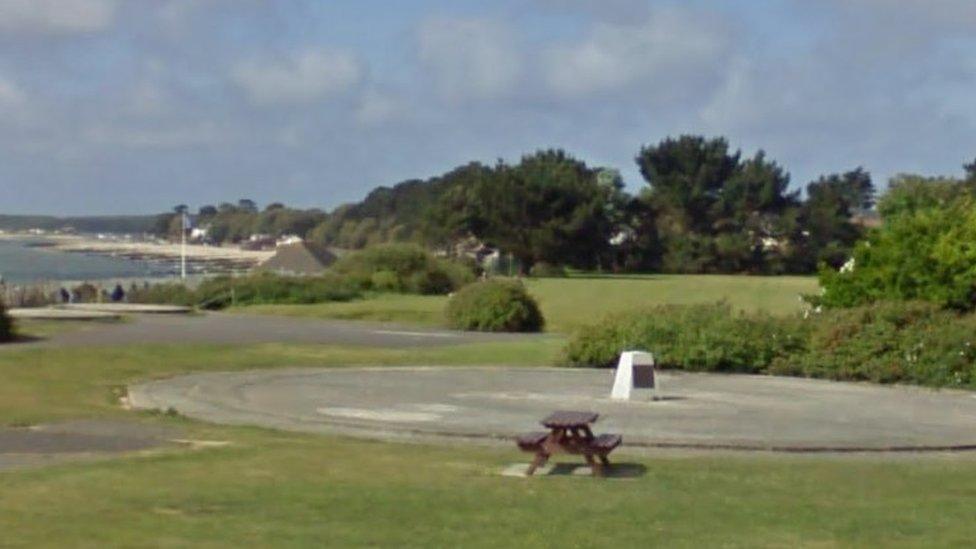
point(267, 288)
point(6, 325)
point(547, 270)
point(405, 268)
point(922, 254)
point(170, 293)
point(886, 342)
point(696, 337)
point(262, 288)
point(495, 306)
point(385, 281)
point(889, 342)
point(85, 293)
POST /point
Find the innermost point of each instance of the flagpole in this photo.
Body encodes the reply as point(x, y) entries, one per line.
point(183, 247)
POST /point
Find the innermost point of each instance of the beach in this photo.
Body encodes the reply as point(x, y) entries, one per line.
point(27, 257)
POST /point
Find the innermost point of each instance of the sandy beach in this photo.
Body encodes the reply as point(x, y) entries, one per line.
point(148, 250)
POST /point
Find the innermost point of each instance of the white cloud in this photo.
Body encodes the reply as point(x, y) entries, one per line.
point(56, 16)
point(670, 50)
point(469, 58)
point(376, 107)
point(170, 137)
point(299, 78)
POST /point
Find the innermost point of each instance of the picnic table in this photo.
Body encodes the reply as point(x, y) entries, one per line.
point(570, 433)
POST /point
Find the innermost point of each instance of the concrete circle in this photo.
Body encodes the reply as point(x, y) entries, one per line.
point(129, 308)
point(702, 411)
point(51, 313)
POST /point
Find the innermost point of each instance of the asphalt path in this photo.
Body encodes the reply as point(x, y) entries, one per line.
point(691, 411)
point(241, 329)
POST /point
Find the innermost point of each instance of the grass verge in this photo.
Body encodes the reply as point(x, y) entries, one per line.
point(568, 303)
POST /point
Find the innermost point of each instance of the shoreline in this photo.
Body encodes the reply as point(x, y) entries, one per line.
point(222, 257)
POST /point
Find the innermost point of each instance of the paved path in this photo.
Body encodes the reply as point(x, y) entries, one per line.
point(77, 440)
point(698, 411)
point(228, 328)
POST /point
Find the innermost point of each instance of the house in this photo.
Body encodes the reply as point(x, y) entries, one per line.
point(299, 258)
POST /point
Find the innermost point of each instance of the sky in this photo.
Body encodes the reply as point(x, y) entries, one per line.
point(133, 106)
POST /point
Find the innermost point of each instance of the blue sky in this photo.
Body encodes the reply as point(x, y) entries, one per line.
point(115, 106)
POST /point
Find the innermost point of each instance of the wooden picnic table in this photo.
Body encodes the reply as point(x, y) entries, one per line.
point(570, 433)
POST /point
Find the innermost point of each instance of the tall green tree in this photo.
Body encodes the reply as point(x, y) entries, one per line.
point(550, 207)
point(831, 203)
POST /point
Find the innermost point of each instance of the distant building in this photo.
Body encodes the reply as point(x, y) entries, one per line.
point(299, 258)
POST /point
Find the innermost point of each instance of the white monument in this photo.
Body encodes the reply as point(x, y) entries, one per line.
point(634, 371)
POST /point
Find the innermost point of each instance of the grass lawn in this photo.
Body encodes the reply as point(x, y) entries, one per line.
point(280, 489)
point(569, 302)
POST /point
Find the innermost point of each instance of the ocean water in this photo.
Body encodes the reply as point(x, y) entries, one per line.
point(19, 263)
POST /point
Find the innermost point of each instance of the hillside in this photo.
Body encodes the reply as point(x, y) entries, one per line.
point(87, 224)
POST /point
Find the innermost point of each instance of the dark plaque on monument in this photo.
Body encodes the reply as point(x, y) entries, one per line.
point(643, 377)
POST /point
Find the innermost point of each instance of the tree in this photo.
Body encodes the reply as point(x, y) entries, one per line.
point(549, 208)
point(925, 254)
point(909, 193)
point(247, 205)
point(831, 202)
point(207, 211)
point(714, 211)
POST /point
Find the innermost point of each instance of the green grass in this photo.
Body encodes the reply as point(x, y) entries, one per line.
point(283, 490)
point(273, 489)
point(568, 303)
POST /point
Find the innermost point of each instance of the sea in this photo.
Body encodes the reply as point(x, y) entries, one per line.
point(24, 261)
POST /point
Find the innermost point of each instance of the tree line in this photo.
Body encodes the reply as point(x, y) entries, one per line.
point(704, 208)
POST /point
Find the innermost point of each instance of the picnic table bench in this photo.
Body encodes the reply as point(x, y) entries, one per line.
point(570, 433)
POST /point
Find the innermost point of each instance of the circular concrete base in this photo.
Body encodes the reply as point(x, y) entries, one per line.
point(697, 411)
point(128, 308)
point(49, 313)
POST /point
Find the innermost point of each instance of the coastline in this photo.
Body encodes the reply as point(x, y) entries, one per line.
point(221, 257)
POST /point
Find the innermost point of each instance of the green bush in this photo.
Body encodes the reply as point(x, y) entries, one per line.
point(925, 254)
point(547, 270)
point(169, 293)
point(889, 342)
point(261, 288)
point(404, 268)
point(696, 337)
point(886, 342)
point(494, 306)
point(85, 293)
point(267, 288)
point(6, 325)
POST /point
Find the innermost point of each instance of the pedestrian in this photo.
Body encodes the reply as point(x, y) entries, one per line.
point(118, 294)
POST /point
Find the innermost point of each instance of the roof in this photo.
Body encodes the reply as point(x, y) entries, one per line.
point(299, 258)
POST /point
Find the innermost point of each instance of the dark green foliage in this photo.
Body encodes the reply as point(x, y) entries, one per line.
point(550, 207)
point(925, 254)
point(908, 194)
point(263, 288)
point(495, 306)
point(232, 223)
point(406, 268)
point(402, 213)
point(888, 342)
point(6, 325)
point(267, 288)
point(697, 338)
point(133, 224)
point(712, 211)
point(831, 202)
point(168, 293)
